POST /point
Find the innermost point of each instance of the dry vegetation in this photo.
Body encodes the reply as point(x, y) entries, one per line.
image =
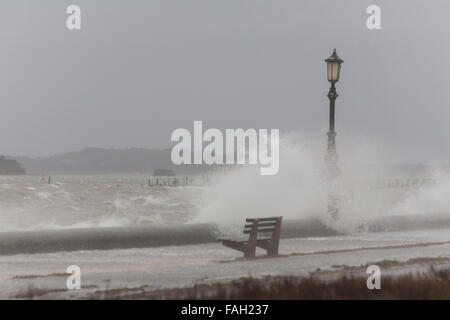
point(433, 284)
point(345, 282)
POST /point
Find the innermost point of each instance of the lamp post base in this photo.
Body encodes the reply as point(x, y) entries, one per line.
point(332, 173)
point(333, 209)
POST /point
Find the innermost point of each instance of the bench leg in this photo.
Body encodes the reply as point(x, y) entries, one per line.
point(250, 252)
point(272, 250)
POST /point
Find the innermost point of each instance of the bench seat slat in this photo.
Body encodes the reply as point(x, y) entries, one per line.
point(260, 230)
point(263, 224)
point(263, 219)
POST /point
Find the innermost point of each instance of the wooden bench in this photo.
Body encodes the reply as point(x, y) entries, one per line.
point(263, 233)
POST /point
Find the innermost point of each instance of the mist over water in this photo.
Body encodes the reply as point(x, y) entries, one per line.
point(300, 189)
point(295, 192)
point(431, 199)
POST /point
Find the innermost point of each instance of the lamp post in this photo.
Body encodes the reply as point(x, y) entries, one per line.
point(333, 73)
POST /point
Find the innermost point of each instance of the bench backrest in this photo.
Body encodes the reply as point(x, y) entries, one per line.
point(272, 225)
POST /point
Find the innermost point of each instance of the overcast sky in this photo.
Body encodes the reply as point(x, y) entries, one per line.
point(139, 69)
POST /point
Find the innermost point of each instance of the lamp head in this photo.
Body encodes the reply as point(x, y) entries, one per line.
point(334, 67)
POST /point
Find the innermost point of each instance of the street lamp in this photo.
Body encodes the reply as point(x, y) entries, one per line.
point(333, 67)
point(333, 73)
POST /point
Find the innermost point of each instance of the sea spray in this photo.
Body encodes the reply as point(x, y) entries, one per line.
point(295, 192)
point(431, 198)
point(300, 190)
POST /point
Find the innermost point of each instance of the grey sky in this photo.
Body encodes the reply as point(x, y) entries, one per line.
point(139, 69)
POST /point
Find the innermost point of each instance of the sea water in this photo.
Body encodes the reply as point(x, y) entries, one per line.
point(87, 201)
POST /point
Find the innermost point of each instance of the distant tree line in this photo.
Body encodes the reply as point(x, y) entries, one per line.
point(10, 166)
